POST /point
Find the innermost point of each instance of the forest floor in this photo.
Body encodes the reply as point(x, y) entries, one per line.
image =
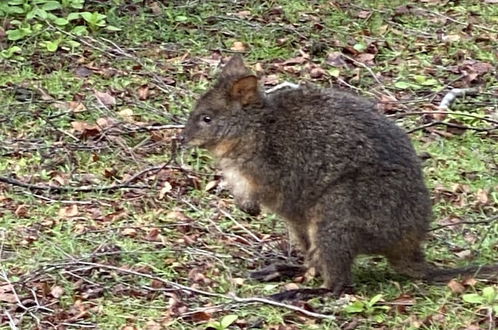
point(106, 223)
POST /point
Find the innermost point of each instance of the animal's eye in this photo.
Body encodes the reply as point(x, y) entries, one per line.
point(206, 119)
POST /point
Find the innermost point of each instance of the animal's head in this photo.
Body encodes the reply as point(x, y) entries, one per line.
point(219, 113)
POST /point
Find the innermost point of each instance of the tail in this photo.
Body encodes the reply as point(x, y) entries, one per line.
point(444, 275)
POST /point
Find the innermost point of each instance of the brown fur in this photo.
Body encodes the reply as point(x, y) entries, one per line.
point(345, 178)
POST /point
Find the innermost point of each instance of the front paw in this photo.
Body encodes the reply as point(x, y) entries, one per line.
point(250, 207)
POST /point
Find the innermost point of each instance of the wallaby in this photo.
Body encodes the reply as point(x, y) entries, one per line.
point(345, 178)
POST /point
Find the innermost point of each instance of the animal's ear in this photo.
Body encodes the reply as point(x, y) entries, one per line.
point(235, 67)
point(246, 91)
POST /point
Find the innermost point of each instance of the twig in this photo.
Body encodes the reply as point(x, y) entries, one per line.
point(126, 184)
point(226, 214)
point(51, 200)
point(236, 19)
point(449, 98)
point(463, 114)
point(490, 220)
point(482, 27)
point(156, 128)
point(443, 123)
point(12, 323)
point(366, 67)
point(156, 168)
point(359, 90)
point(178, 286)
point(446, 86)
point(30, 186)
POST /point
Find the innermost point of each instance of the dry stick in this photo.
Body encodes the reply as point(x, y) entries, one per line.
point(366, 67)
point(226, 214)
point(201, 292)
point(155, 128)
point(445, 104)
point(157, 79)
point(30, 186)
point(51, 200)
point(449, 98)
point(436, 123)
point(482, 27)
point(448, 85)
point(463, 114)
point(126, 184)
point(490, 220)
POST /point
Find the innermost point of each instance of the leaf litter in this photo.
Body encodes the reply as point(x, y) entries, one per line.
point(193, 237)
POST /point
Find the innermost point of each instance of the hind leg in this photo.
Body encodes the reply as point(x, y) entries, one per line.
point(409, 259)
point(333, 252)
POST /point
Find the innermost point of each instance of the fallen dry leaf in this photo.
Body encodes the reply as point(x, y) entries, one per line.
point(402, 303)
point(21, 211)
point(6, 294)
point(156, 8)
point(143, 92)
point(363, 14)
point(470, 281)
point(211, 185)
point(317, 73)
point(129, 232)
point(105, 98)
point(127, 115)
point(482, 197)
point(238, 281)
point(238, 46)
point(106, 122)
point(270, 80)
point(85, 129)
point(165, 189)
point(56, 291)
point(200, 317)
point(472, 327)
point(243, 13)
point(73, 106)
point(366, 58)
point(291, 286)
point(455, 286)
point(153, 234)
point(464, 254)
point(69, 211)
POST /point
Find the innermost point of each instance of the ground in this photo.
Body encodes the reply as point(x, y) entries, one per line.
point(105, 222)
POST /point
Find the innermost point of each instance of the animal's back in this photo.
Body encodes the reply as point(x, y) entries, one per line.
point(333, 152)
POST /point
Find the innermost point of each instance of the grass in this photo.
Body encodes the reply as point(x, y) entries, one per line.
point(177, 229)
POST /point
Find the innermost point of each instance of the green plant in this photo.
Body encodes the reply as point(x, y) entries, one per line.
point(52, 21)
point(369, 308)
point(224, 323)
point(488, 299)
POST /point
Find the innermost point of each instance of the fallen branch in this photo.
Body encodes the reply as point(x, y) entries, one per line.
point(126, 184)
point(450, 97)
point(150, 128)
point(488, 221)
point(374, 76)
point(30, 186)
point(463, 114)
point(181, 287)
point(436, 123)
point(238, 224)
